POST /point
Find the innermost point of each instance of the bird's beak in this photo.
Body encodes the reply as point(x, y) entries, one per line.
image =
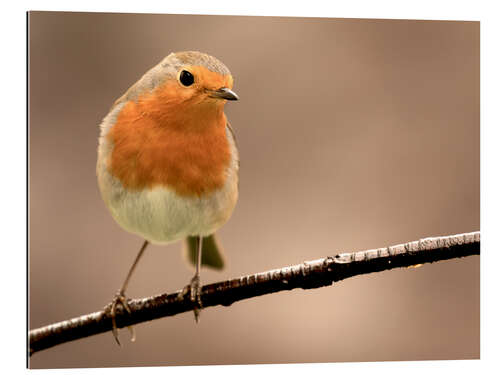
point(223, 93)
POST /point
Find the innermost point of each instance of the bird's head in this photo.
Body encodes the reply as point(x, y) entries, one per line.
point(184, 82)
point(201, 78)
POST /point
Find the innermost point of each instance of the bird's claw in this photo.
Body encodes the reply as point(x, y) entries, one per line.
point(119, 298)
point(195, 296)
point(193, 289)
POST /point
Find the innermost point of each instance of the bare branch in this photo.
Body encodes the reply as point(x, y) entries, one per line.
point(308, 275)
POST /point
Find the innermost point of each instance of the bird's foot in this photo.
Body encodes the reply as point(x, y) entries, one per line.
point(110, 309)
point(194, 290)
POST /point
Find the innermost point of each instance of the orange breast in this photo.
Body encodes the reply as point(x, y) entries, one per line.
point(159, 141)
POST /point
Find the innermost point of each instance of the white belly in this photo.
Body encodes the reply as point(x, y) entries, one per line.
point(161, 216)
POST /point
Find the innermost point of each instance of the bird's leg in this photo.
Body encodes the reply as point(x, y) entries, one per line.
point(195, 286)
point(122, 300)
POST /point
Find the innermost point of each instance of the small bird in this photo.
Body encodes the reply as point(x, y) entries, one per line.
point(167, 165)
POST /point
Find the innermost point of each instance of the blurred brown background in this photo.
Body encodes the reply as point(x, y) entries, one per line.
point(353, 134)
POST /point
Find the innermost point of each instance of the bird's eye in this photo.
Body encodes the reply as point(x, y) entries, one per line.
point(186, 78)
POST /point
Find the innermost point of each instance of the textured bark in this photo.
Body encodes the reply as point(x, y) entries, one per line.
point(307, 275)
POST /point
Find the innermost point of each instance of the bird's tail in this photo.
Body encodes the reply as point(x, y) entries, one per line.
point(211, 253)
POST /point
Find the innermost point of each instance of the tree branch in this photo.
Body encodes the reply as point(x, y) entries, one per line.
point(308, 275)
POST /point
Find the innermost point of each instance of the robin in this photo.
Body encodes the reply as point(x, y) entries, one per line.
point(167, 164)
